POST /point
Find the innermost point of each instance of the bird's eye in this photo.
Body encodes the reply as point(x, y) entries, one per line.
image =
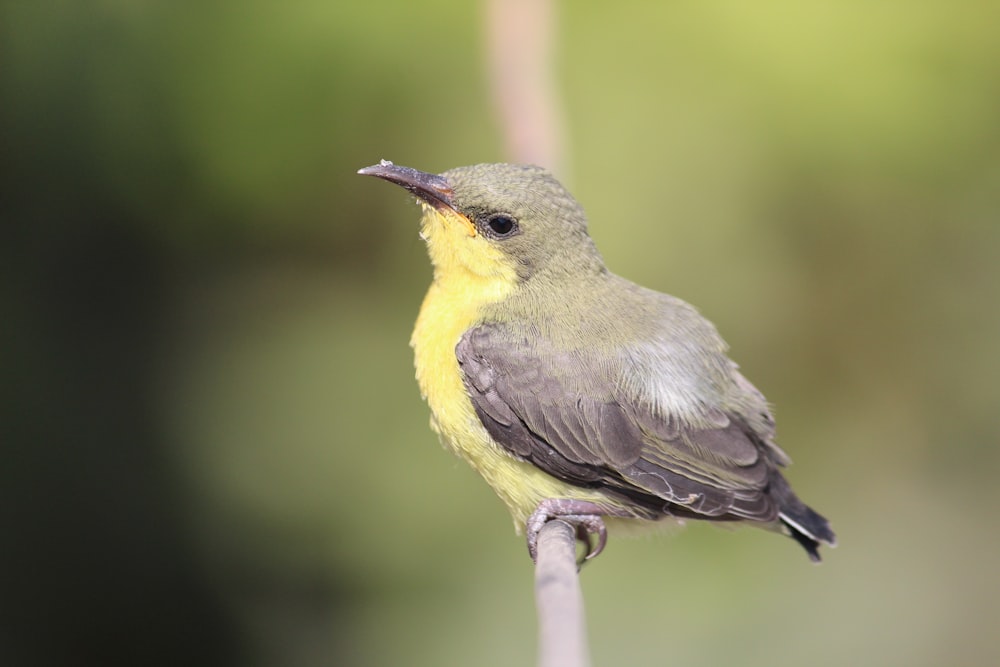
point(501, 225)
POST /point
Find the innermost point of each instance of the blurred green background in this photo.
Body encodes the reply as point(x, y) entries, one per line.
point(214, 451)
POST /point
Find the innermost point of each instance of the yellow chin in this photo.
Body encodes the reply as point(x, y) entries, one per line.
point(459, 254)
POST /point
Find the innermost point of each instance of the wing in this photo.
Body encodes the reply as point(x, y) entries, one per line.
point(630, 420)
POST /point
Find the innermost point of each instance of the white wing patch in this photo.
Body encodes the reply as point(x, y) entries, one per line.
point(675, 381)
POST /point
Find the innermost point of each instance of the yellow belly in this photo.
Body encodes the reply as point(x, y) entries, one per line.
point(444, 317)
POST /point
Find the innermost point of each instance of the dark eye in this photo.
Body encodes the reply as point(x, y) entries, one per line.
point(501, 224)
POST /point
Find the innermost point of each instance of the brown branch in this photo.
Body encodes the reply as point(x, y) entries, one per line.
point(562, 627)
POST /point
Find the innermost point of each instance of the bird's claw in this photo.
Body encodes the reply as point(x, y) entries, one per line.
point(583, 515)
point(587, 525)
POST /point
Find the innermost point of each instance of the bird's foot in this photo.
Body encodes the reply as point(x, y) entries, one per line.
point(586, 516)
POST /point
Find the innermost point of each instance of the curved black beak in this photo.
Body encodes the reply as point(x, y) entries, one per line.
point(429, 188)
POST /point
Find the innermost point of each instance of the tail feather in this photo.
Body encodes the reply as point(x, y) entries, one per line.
point(802, 523)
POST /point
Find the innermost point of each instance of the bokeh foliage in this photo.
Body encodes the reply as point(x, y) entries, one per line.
point(214, 448)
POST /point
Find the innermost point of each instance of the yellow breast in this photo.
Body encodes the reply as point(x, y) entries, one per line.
point(444, 317)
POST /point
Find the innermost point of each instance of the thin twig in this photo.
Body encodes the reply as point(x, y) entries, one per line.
point(520, 47)
point(562, 628)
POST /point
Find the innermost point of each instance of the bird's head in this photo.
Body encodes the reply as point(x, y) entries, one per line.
point(498, 221)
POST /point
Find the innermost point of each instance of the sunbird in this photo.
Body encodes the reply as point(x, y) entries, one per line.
point(575, 393)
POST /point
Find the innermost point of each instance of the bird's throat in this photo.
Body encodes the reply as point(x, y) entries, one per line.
point(460, 256)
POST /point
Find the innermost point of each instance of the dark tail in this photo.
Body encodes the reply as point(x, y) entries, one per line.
point(802, 523)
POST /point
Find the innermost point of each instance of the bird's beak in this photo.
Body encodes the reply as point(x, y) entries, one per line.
point(429, 188)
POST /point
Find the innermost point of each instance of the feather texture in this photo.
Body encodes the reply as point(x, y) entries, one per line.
point(626, 416)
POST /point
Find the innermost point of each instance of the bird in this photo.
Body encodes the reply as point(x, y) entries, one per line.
point(574, 392)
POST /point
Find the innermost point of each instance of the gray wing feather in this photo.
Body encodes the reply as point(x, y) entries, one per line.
point(568, 414)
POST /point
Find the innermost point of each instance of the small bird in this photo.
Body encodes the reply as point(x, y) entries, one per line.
point(574, 392)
